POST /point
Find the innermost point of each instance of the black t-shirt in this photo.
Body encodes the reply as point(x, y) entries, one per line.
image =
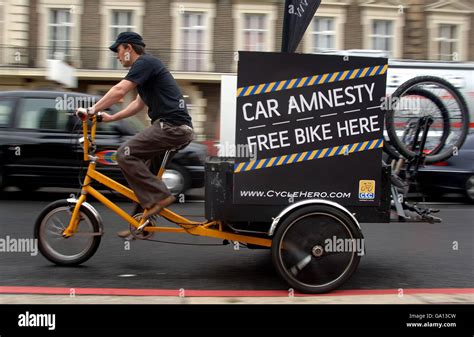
point(159, 90)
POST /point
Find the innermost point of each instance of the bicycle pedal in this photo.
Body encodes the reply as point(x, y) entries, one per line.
point(153, 218)
point(140, 229)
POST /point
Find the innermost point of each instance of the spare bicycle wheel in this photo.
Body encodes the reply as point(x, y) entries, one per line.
point(428, 96)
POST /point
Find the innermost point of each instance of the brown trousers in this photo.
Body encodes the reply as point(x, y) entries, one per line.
point(147, 146)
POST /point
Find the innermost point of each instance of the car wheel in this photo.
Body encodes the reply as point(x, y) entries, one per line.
point(2, 180)
point(28, 188)
point(470, 188)
point(177, 179)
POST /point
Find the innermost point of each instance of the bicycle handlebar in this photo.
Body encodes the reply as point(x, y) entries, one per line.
point(83, 114)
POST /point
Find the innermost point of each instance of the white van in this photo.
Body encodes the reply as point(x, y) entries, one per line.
point(461, 75)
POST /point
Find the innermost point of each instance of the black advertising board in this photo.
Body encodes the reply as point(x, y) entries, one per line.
point(312, 126)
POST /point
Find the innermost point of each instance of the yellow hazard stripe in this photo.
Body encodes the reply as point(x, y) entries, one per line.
point(300, 159)
point(249, 166)
point(354, 73)
point(260, 163)
point(257, 89)
point(239, 167)
point(282, 159)
point(343, 76)
point(294, 158)
point(323, 78)
point(323, 153)
point(270, 163)
point(364, 72)
point(333, 77)
point(303, 81)
point(292, 83)
point(248, 91)
point(372, 73)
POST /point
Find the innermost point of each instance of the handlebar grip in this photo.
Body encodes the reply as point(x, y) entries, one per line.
point(81, 113)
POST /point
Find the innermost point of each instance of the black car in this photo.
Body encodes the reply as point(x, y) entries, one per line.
point(453, 175)
point(39, 143)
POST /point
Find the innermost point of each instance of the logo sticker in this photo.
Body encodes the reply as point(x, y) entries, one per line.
point(366, 189)
point(108, 157)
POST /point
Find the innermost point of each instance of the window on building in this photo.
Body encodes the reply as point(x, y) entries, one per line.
point(60, 33)
point(255, 32)
point(447, 42)
point(323, 34)
point(121, 21)
point(382, 36)
point(193, 51)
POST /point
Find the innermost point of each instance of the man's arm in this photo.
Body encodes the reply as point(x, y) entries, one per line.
point(132, 109)
point(114, 95)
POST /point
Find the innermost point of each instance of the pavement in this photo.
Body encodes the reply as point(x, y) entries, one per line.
point(58, 295)
point(323, 299)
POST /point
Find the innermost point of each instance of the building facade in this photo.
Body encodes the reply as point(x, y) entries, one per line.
point(198, 39)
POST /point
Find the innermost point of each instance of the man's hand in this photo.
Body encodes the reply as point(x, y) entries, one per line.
point(132, 109)
point(106, 117)
point(82, 113)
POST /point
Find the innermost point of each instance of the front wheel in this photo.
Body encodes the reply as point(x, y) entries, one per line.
point(317, 248)
point(71, 251)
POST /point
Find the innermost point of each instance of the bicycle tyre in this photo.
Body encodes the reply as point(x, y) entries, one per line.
point(447, 150)
point(49, 248)
point(309, 228)
point(390, 149)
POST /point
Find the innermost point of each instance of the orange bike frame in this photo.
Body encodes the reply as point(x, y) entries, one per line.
point(210, 228)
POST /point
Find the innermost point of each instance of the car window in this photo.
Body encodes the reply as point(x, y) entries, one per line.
point(110, 127)
point(134, 124)
point(131, 124)
point(6, 112)
point(41, 113)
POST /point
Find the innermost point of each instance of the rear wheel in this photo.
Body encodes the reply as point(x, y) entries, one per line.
point(74, 250)
point(317, 248)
